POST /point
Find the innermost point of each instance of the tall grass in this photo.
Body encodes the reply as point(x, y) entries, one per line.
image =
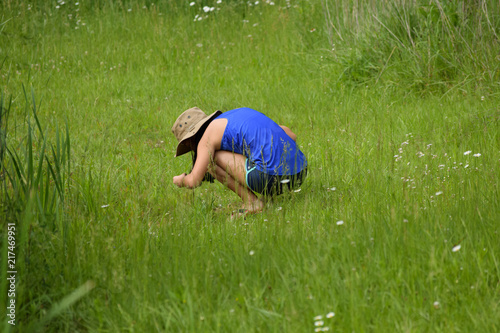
point(34, 175)
point(403, 166)
point(429, 46)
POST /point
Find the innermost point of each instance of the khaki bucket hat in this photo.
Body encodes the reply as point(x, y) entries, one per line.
point(188, 124)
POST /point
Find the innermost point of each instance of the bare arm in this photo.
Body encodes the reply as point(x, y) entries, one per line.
point(206, 151)
point(289, 132)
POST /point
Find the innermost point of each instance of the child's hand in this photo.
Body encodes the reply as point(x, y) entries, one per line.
point(178, 180)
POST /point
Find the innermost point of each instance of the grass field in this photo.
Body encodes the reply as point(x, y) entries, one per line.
point(396, 106)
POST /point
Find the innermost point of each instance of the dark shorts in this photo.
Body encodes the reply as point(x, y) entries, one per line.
point(266, 184)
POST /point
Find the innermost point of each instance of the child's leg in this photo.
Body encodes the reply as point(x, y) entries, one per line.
point(230, 170)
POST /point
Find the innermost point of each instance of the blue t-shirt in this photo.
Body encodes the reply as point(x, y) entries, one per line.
point(262, 141)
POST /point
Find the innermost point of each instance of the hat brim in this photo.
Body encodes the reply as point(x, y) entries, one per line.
point(183, 147)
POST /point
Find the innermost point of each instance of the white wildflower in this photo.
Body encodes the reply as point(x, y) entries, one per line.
point(330, 315)
point(477, 155)
point(468, 152)
point(319, 323)
point(252, 252)
point(340, 222)
point(318, 318)
point(456, 248)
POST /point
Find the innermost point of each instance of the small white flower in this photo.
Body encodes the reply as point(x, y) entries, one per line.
point(130, 9)
point(199, 45)
point(482, 98)
point(318, 318)
point(436, 304)
point(466, 166)
point(405, 221)
point(477, 155)
point(468, 152)
point(279, 208)
point(319, 323)
point(340, 222)
point(192, 4)
point(439, 193)
point(105, 206)
point(284, 181)
point(252, 252)
point(331, 314)
point(206, 9)
point(456, 248)
point(219, 1)
point(297, 190)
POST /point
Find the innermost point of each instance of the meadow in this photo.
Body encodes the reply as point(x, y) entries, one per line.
point(396, 105)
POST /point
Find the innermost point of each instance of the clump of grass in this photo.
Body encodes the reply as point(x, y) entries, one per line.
point(34, 176)
point(429, 46)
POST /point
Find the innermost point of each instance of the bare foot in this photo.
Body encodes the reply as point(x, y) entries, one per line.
point(254, 207)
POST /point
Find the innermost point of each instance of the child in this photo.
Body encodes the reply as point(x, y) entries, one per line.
point(243, 149)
